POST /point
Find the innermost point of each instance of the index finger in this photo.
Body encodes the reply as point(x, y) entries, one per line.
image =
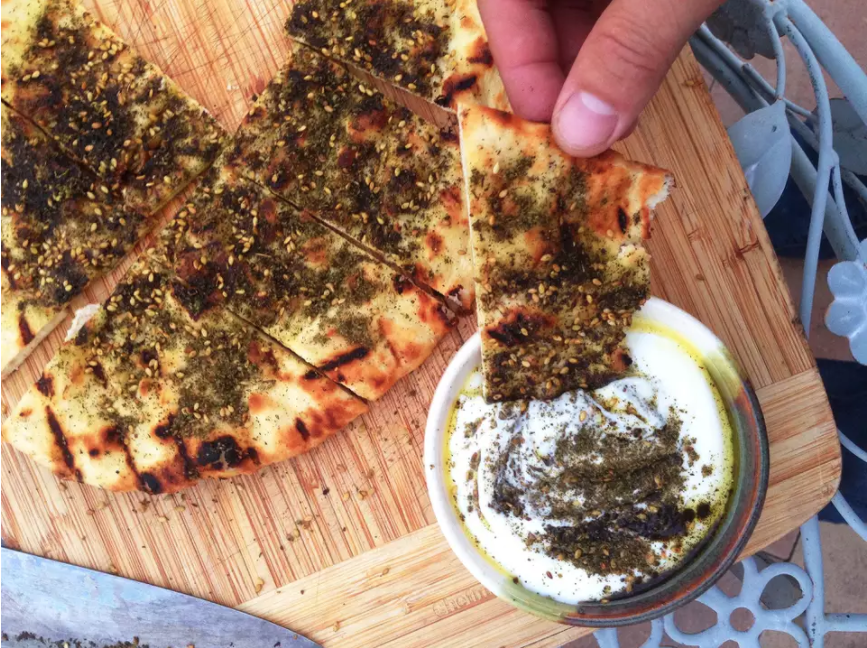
point(525, 48)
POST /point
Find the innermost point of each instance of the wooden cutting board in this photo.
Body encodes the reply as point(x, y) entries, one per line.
point(341, 544)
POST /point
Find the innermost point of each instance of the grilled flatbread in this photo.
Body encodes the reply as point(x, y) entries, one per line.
point(369, 168)
point(105, 105)
point(61, 228)
point(324, 298)
point(150, 396)
point(25, 323)
point(559, 261)
point(436, 49)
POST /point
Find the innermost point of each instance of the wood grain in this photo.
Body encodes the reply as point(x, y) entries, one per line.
point(415, 592)
point(333, 521)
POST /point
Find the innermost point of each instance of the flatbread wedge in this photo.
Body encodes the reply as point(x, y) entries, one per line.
point(357, 320)
point(436, 49)
point(147, 396)
point(105, 105)
point(559, 261)
point(25, 323)
point(61, 228)
point(369, 168)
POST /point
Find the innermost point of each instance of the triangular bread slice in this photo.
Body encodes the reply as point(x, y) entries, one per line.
point(341, 310)
point(371, 169)
point(148, 395)
point(25, 323)
point(105, 105)
point(61, 228)
point(557, 246)
point(436, 49)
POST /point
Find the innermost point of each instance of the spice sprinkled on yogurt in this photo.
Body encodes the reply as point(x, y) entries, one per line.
point(595, 494)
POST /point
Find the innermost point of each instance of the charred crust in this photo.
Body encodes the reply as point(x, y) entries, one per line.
point(165, 430)
point(60, 440)
point(517, 329)
point(150, 483)
point(302, 429)
point(193, 299)
point(113, 435)
point(222, 453)
point(622, 220)
point(45, 385)
point(147, 356)
point(99, 372)
point(191, 472)
point(482, 54)
point(449, 135)
point(453, 86)
point(24, 329)
point(82, 337)
point(465, 83)
point(358, 353)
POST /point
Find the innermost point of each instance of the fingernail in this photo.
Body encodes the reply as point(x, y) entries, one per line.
point(585, 121)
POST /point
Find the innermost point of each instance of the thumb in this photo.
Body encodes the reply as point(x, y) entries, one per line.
point(619, 68)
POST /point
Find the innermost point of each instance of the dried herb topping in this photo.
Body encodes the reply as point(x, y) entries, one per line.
point(397, 40)
point(372, 169)
point(108, 107)
point(564, 313)
point(61, 225)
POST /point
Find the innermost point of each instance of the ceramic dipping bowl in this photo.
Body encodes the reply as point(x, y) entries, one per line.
point(697, 572)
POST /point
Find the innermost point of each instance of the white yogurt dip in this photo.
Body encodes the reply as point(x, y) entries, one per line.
point(556, 493)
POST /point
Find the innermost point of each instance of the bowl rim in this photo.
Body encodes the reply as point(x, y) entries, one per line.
point(747, 509)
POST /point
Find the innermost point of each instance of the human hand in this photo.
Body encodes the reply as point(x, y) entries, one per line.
point(587, 66)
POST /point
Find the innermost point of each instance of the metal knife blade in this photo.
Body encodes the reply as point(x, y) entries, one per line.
point(60, 602)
